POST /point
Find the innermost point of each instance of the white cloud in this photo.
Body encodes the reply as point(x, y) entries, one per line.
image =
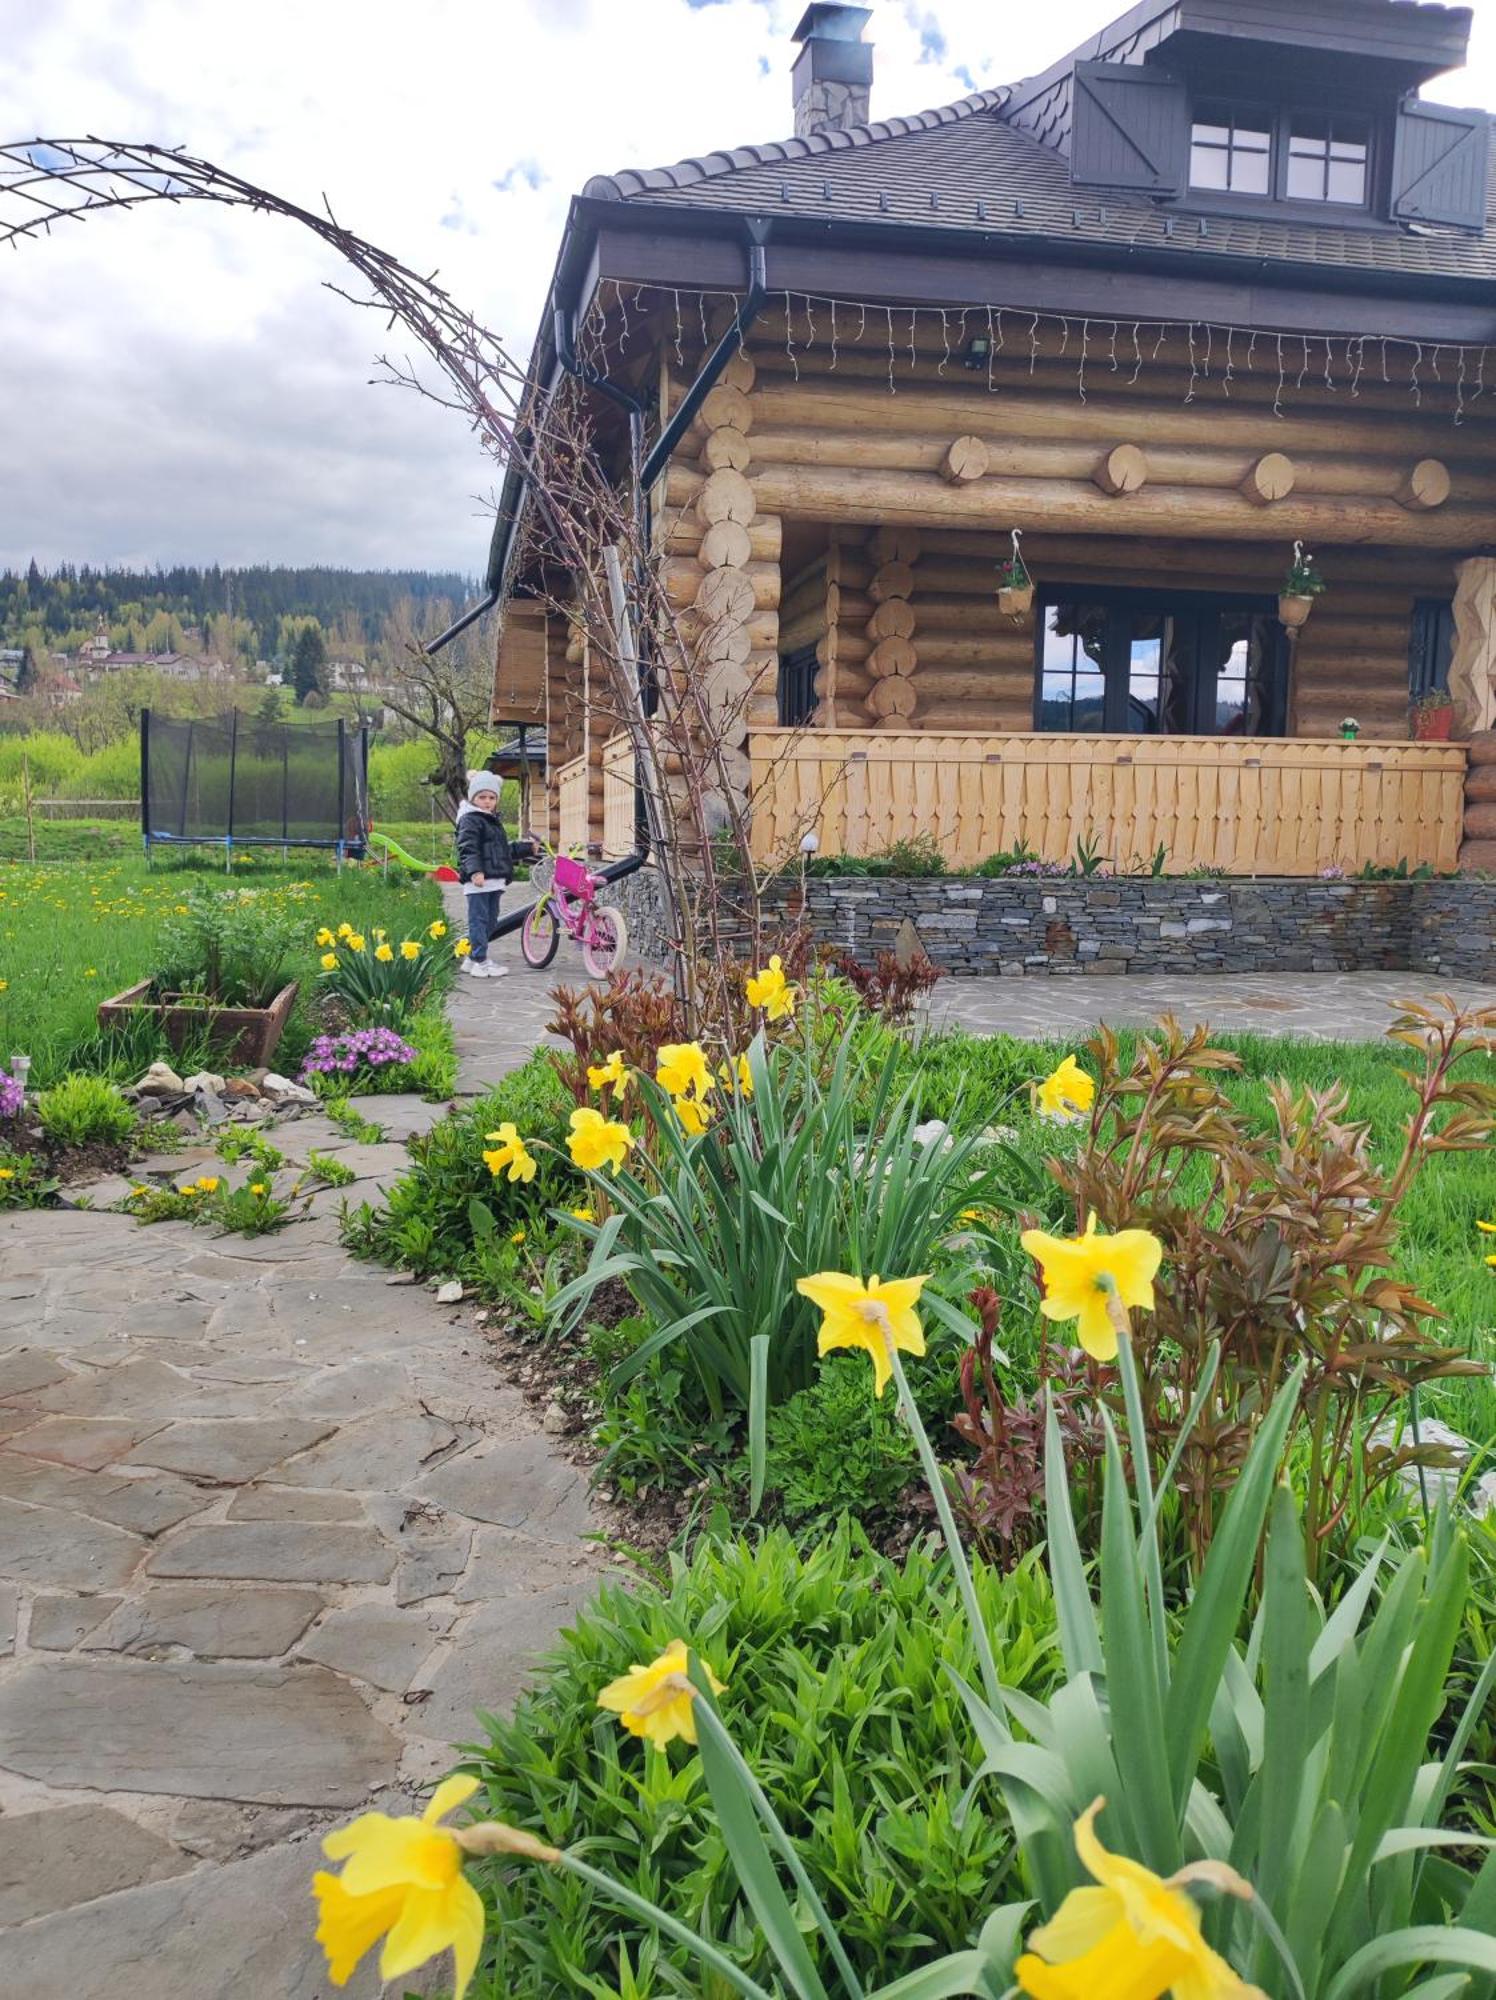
point(178, 384)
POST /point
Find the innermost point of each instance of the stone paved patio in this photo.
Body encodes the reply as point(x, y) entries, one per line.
point(272, 1530)
point(1323, 1006)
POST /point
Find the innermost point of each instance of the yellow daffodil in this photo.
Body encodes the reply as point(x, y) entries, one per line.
point(325, 937)
point(461, 948)
point(380, 935)
point(655, 1702)
point(436, 930)
point(870, 1316)
point(682, 1066)
point(1136, 1937)
point(597, 1142)
point(1094, 1279)
point(744, 1076)
point(403, 1882)
point(583, 1214)
point(771, 991)
point(613, 1072)
point(355, 940)
point(692, 1113)
point(1066, 1094)
point(508, 1149)
point(329, 961)
point(383, 953)
point(345, 930)
point(410, 949)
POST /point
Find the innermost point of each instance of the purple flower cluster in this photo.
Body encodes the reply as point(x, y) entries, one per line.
point(372, 1048)
point(12, 1095)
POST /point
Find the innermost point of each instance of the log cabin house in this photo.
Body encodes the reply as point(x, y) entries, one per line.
point(1217, 284)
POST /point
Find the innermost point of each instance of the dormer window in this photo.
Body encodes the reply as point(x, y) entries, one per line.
point(1290, 155)
point(1231, 150)
point(1327, 158)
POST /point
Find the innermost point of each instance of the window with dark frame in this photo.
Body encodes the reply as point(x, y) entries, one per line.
point(797, 687)
point(1327, 158)
point(1288, 155)
point(1231, 150)
point(1128, 662)
point(1431, 647)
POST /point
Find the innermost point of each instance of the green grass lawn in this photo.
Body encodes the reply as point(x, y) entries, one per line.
point(74, 932)
point(965, 1078)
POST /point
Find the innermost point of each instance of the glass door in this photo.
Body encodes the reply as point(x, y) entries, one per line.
point(1140, 663)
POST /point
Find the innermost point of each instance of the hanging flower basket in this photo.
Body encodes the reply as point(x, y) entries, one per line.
point(1016, 599)
point(1301, 586)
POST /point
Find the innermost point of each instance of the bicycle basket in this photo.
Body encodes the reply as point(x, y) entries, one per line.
point(542, 873)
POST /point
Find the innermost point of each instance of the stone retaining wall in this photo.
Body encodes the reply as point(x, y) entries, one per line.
point(1015, 925)
point(1454, 928)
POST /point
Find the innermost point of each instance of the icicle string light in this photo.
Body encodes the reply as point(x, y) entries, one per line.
point(620, 315)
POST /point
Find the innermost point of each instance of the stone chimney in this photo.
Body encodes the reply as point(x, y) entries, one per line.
point(833, 73)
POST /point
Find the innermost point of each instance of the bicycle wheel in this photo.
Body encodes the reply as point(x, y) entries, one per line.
point(605, 942)
point(540, 934)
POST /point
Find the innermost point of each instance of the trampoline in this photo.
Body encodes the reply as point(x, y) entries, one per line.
point(232, 781)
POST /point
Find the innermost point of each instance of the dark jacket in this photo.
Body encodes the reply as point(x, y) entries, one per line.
point(483, 848)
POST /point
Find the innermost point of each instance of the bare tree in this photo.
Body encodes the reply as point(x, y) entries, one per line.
point(445, 695)
point(584, 522)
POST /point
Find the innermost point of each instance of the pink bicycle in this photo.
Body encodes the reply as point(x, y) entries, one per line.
point(566, 900)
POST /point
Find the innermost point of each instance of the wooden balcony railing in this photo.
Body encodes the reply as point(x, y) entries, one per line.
point(1264, 806)
point(571, 797)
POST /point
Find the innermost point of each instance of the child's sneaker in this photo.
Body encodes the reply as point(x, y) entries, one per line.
point(474, 968)
point(492, 971)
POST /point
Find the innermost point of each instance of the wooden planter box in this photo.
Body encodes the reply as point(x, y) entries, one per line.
point(245, 1037)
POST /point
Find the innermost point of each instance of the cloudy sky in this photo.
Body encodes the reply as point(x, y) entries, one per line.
point(177, 384)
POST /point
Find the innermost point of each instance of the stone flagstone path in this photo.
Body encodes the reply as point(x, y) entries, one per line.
point(272, 1530)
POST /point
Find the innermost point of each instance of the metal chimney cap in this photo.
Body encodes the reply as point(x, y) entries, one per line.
point(825, 22)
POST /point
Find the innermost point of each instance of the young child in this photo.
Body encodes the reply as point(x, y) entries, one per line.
point(485, 862)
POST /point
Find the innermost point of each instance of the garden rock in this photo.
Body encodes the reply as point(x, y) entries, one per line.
point(160, 1080)
point(210, 1107)
point(281, 1090)
point(449, 1294)
point(204, 1079)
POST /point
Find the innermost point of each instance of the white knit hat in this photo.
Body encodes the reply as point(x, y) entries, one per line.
point(482, 781)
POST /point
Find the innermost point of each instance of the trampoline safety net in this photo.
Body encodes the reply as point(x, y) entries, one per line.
point(233, 780)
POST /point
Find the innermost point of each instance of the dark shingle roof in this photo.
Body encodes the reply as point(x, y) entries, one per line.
point(962, 168)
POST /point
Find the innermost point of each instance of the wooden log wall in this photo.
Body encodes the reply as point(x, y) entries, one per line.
point(1130, 484)
point(720, 568)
